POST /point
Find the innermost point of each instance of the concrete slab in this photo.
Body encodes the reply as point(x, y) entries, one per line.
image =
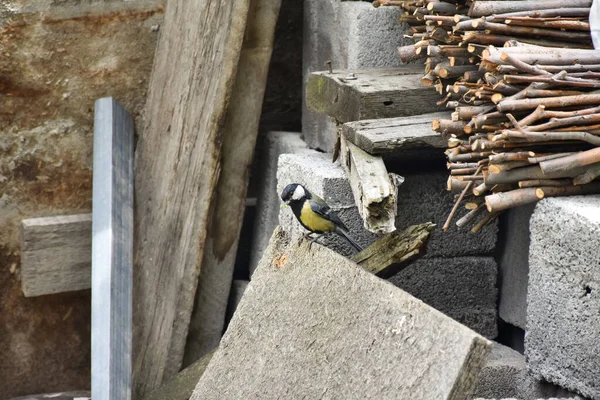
point(348, 34)
point(514, 265)
point(268, 202)
point(505, 375)
point(563, 301)
point(463, 288)
point(313, 324)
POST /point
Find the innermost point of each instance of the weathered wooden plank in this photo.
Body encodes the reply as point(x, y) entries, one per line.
point(112, 251)
point(390, 253)
point(388, 135)
point(370, 94)
point(177, 168)
point(182, 385)
point(239, 139)
point(56, 254)
point(374, 190)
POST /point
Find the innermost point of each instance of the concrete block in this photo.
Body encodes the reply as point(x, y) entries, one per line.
point(314, 325)
point(348, 33)
point(514, 265)
point(563, 300)
point(463, 288)
point(268, 201)
point(421, 198)
point(505, 375)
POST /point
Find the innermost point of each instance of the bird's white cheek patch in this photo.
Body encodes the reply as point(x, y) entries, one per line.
point(298, 193)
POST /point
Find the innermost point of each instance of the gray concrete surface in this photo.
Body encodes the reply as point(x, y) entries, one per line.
point(268, 202)
point(505, 375)
point(563, 301)
point(514, 266)
point(463, 288)
point(314, 325)
point(349, 33)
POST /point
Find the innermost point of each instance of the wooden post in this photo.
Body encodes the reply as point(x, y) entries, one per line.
point(239, 138)
point(112, 251)
point(374, 191)
point(56, 254)
point(177, 169)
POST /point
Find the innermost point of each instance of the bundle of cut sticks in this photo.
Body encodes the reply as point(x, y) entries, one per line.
point(523, 81)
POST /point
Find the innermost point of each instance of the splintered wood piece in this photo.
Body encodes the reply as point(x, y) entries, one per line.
point(112, 251)
point(239, 135)
point(56, 254)
point(393, 251)
point(370, 93)
point(374, 192)
point(177, 170)
point(380, 136)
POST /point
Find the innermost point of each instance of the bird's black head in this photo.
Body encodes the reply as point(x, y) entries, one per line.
point(294, 192)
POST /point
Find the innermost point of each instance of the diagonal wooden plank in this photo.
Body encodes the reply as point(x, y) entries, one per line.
point(112, 251)
point(239, 138)
point(177, 168)
point(56, 254)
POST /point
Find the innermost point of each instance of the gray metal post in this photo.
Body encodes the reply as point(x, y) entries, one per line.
point(112, 251)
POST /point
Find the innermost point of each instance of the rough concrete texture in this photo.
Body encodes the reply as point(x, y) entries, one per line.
point(312, 324)
point(348, 33)
point(514, 265)
point(563, 300)
point(57, 58)
point(268, 202)
point(546, 398)
point(421, 198)
point(505, 375)
point(463, 288)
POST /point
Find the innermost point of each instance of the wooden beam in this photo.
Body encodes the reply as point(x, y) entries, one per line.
point(177, 169)
point(374, 190)
point(239, 139)
point(388, 135)
point(112, 251)
point(56, 254)
point(370, 93)
point(182, 385)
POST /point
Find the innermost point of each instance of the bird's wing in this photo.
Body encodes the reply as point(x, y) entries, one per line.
point(320, 207)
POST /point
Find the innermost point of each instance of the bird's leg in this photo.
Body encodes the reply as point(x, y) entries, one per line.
point(315, 239)
point(305, 236)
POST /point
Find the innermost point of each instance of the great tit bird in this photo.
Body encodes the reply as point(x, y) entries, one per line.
point(313, 213)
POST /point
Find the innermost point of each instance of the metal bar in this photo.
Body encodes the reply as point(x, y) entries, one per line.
point(112, 251)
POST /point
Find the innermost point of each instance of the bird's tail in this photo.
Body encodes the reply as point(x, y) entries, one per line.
point(345, 235)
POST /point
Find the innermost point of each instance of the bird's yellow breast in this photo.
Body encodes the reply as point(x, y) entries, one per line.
point(314, 221)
